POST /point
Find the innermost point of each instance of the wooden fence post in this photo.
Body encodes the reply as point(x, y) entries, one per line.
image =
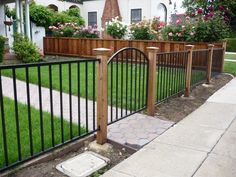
point(209, 62)
point(189, 70)
point(223, 57)
point(152, 56)
point(102, 104)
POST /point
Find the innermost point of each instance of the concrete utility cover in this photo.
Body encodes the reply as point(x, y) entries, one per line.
point(83, 165)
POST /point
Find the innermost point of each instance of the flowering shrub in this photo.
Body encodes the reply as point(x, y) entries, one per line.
point(147, 29)
point(205, 28)
point(116, 28)
point(211, 29)
point(208, 8)
point(142, 30)
point(87, 32)
point(157, 25)
point(181, 31)
point(73, 30)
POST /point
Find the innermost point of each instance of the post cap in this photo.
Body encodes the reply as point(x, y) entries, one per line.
point(153, 49)
point(101, 51)
point(211, 45)
point(189, 47)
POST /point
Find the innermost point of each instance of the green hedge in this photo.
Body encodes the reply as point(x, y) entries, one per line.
point(231, 45)
point(2, 43)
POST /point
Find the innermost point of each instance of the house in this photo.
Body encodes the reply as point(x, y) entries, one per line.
point(99, 11)
point(95, 12)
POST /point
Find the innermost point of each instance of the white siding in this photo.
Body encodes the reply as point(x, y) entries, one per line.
point(149, 8)
point(93, 6)
point(61, 5)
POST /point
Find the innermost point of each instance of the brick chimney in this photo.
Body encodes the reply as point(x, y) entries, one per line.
point(111, 10)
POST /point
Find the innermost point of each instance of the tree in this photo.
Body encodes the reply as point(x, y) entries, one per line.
point(211, 7)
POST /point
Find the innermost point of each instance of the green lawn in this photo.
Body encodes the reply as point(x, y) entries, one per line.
point(230, 56)
point(230, 67)
point(11, 137)
point(123, 93)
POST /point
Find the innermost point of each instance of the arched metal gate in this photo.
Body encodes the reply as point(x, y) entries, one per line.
point(127, 83)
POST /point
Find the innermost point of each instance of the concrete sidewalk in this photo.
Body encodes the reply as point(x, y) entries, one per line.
point(201, 145)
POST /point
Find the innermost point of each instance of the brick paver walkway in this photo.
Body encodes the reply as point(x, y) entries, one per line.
point(136, 130)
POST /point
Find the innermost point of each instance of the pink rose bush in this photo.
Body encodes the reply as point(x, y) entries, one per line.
point(74, 30)
point(181, 30)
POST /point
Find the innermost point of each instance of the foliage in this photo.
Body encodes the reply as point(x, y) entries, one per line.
point(142, 30)
point(231, 45)
point(157, 25)
point(45, 17)
point(181, 31)
point(147, 29)
point(213, 29)
point(116, 28)
point(74, 30)
point(25, 49)
point(225, 7)
point(201, 29)
point(10, 13)
point(68, 16)
point(87, 32)
point(41, 15)
point(2, 43)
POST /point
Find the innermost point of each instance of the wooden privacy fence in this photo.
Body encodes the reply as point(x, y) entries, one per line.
point(84, 47)
point(167, 74)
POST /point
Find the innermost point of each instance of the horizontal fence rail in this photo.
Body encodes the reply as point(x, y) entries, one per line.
point(171, 74)
point(44, 106)
point(127, 83)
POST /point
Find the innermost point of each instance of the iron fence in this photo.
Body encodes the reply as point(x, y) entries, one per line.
point(171, 74)
point(217, 59)
point(199, 73)
point(44, 106)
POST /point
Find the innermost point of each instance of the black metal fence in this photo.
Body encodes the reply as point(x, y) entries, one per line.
point(171, 74)
point(42, 107)
point(127, 83)
point(217, 59)
point(199, 73)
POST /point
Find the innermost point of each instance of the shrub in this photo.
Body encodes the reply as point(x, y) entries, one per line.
point(89, 32)
point(69, 16)
point(2, 43)
point(202, 29)
point(231, 45)
point(73, 30)
point(212, 29)
point(116, 28)
point(181, 31)
point(142, 30)
point(25, 49)
point(41, 15)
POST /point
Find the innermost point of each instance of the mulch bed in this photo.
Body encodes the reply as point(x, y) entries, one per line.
point(177, 108)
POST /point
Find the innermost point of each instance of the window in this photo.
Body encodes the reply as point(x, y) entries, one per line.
point(162, 12)
point(73, 6)
point(92, 18)
point(136, 15)
point(53, 7)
